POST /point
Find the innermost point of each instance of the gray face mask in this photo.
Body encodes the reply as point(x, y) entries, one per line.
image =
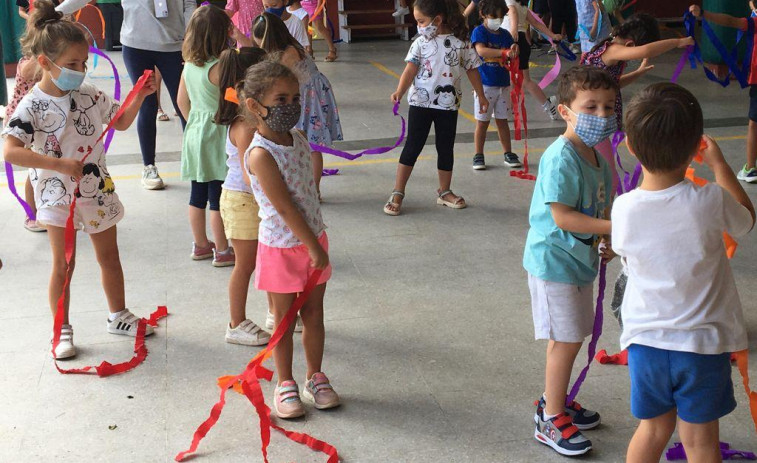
point(284, 117)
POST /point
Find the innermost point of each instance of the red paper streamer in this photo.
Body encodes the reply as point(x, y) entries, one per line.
point(520, 117)
point(621, 358)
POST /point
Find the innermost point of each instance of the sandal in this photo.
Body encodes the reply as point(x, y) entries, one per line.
point(162, 116)
point(391, 203)
point(459, 203)
point(331, 56)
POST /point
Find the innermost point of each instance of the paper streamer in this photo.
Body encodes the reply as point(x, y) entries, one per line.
point(742, 362)
point(71, 6)
point(520, 117)
point(247, 383)
point(677, 452)
point(12, 186)
point(552, 74)
point(621, 358)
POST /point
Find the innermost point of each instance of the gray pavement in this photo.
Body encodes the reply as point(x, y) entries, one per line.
point(429, 332)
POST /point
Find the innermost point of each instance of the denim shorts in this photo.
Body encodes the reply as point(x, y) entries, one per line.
point(698, 385)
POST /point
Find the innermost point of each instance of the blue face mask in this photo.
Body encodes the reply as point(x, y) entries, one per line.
point(68, 79)
point(276, 11)
point(593, 129)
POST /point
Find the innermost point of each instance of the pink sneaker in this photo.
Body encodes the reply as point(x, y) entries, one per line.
point(199, 253)
point(319, 391)
point(224, 258)
point(286, 400)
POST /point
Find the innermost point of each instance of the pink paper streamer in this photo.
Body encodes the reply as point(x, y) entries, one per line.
point(550, 76)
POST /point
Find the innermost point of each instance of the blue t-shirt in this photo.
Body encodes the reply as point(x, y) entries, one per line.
point(553, 254)
point(492, 72)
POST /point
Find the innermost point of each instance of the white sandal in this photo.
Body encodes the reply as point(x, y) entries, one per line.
point(459, 203)
point(391, 203)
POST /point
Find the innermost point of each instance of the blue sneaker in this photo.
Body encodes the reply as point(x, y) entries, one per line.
point(583, 419)
point(749, 176)
point(561, 434)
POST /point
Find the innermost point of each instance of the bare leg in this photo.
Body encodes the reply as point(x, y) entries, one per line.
point(316, 158)
point(58, 275)
point(479, 136)
point(219, 234)
point(503, 131)
point(197, 222)
point(560, 358)
point(533, 88)
point(701, 441)
point(282, 353)
point(112, 274)
point(239, 283)
point(313, 331)
point(651, 438)
point(400, 182)
point(29, 195)
point(445, 183)
point(751, 145)
point(323, 31)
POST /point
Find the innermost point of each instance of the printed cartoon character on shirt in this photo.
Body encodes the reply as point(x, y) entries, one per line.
point(429, 48)
point(97, 184)
point(420, 97)
point(451, 53)
point(446, 96)
point(49, 118)
point(53, 193)
point(80, 103)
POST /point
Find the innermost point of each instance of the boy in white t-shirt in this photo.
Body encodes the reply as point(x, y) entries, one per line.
point(681, 312)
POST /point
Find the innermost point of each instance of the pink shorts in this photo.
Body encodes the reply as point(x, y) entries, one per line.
point(286, 270)
point(310, 7)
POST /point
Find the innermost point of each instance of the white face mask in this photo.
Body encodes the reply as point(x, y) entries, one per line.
point(494, 24)
point(428, 32)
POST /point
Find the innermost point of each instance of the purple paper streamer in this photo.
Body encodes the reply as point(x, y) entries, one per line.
point(681, 63)
point(116, 92)
point(329, 172)
point(378, 150)
point(12, 186)
point(677, 452)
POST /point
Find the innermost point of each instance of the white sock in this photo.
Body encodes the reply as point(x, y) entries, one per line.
point(113, 316)
point(547, 417)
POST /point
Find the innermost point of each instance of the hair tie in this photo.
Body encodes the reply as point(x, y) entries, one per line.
point(231, 96)
point(238, 50)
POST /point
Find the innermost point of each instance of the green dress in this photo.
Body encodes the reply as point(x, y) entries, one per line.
point(203, 154)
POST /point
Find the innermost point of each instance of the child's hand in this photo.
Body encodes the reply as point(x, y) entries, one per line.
point(513, 51)
point(605, 250)
point(483, 104)
point(645, 66)
point(696, 11)
point(595, 4)
point(557, 37)
point(71, 167)
point(318, 258)
point(396, 97)
point(149, 87)
point(685, 42)
point(712, 155)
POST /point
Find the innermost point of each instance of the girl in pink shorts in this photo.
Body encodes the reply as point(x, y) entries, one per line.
point(292, 242)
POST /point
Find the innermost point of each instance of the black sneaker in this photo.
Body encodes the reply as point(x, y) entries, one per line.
point(512, 160)
point(583, 419)
point(561, 434)
point(478, 162)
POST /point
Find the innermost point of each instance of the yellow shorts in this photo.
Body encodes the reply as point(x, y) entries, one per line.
point(239, 212)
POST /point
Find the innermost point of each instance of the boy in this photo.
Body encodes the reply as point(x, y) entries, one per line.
point(489, 41)
point(571, 200)
point(748, 173)
point(681, 311)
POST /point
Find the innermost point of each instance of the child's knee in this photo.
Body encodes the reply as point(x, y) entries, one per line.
point(61, 268)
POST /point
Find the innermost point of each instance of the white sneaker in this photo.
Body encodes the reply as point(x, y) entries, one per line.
point(550, 106)
point(66, 348)
point(127, 324)
point(401, 12)
point(247, 333)
point(151, 179)
point(270, 322)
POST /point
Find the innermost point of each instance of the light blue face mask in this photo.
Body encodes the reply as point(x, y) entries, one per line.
point(593, 129)
point(68, 79)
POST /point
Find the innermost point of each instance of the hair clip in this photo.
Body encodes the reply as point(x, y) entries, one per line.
point(238, 50)
point(231, 96)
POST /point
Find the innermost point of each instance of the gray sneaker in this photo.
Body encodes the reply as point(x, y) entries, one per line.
point(151, 179)
point(478, 162)
point(512, 160)
point(561, 434)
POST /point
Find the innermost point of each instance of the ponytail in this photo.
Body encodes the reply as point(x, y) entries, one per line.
point(232, 64)
point(450, 12)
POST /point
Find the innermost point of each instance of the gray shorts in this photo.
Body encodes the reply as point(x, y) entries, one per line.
point(563, 313)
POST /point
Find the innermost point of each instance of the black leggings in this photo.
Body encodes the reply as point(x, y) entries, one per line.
point(564, 13)
point(203, 193)
point(419, 125)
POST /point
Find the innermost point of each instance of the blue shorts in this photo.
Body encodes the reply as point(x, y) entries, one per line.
point(698, 385)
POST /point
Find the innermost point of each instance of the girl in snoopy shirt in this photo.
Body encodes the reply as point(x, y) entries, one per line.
point(436, 63)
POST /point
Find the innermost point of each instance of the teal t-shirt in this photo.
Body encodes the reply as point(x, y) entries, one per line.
point(553, 254)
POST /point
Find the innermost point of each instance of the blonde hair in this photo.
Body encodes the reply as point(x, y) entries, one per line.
point(207, 35)
point(47, 33)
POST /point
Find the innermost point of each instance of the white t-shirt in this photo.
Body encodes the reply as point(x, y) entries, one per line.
point(522, 16)
point(681, 294)
point(442, 62)
point(299, 13)
point(294, 24)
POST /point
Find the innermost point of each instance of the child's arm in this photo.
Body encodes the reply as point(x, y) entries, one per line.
point(241, 135)
point(513, 13)
point(475, 79)
point(130, 112)
point(595, 24)
point(23, 13)
point(719, 18)
point(724, 176)
point(571, 220)
point(182, 99)
point(406, 80)
point(268, 174)
point(751, 6)
point(469, 9)
point(486, 52)
point(15, 153)
point(306, 26)
point(240, 38)
point(619, 52)
point(630, 77)
point(542, 28)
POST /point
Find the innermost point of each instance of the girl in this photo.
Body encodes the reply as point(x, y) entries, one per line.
point(293, 241)
point(435, 65)
point(203, 154)
point(320, 117)
point(310, 6)
point(296, 9)
point(239, 210)
point(243, 12)
point(53, 127)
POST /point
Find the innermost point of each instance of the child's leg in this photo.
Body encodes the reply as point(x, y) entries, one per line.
point(316, 158)
point(701, 441)
point(533, 88)
point(560, 359)
point(418, 126)
point(216, 222)
point(106, 250)
point(282, 353)
point(58, 275)
point(479, 136)
point(503, 131)
point(651, 438)
point(29, 195)
point(445, 129)
point(313, 332)
point(751, 145)
point(324, 33)
point(239, 283)
point(198, 200)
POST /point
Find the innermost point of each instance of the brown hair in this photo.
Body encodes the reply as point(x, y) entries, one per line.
point(493, 8)
point(640, 27)
point(664, 125)
point(583, 78)
point(259, 78)
point(450, 12)
point(207, 35)
point(273, 34)
point(47, 33)
point(233, 64)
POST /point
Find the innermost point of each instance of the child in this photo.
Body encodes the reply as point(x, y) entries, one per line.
point(490, 41)
point(593, 23)
point(239, 210)
point(52, 128)
point(681, 312)
point(243, 13)
point(436, 62)
point(320, 27)
point(636, 38)
point(293, 24)
point(293, 242)
point(295, 7)
point(568, 210)
point(320, 116)
point(203, 153)
point(749, 172)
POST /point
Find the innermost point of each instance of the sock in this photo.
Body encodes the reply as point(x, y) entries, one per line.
point(547, 417)
point(113, 316)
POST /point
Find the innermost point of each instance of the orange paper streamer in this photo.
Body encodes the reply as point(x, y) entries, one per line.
point(742, 362)
point(231, 95)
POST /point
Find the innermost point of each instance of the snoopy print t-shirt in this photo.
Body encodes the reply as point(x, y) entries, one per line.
point(66, 127)
point(442, 62)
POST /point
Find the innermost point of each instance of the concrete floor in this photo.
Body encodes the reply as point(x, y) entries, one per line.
point(430, 338)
